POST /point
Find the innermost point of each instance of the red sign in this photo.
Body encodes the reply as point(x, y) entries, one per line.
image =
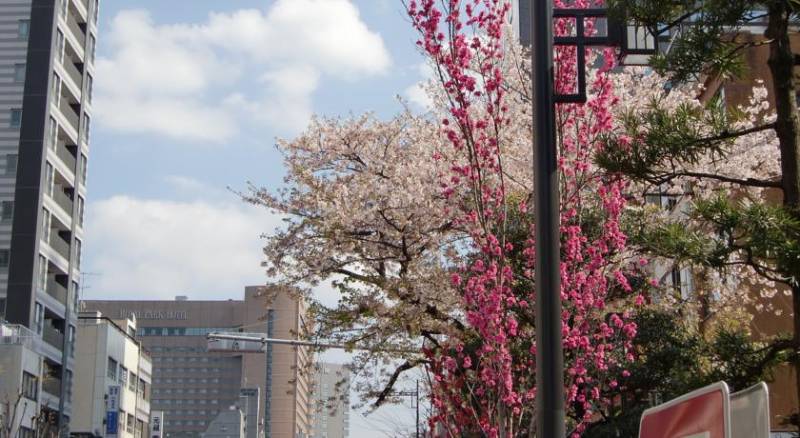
point(703, 413)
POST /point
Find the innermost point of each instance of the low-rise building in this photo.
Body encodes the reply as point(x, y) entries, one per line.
point(29, 388)
point(112, 379)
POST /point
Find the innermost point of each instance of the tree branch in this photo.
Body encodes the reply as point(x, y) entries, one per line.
point(387, 390)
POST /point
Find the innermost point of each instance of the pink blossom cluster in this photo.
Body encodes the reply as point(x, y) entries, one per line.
point(485, 382)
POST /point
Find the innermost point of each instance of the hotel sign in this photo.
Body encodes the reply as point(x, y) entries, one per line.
point(153, 314)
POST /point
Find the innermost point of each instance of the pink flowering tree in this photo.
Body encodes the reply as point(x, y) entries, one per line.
point(484, 376)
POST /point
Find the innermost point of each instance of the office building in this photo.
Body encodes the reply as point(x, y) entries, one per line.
point(113, 376)
point(46, 68)
point(192, 386)
point(331, 401)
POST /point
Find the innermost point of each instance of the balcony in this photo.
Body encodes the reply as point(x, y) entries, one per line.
point(66, 156)
point(54, 338)
point(56, 290)
point(52, 386)
point(69, 114)
point(63, 201)
point(76, 30)
point(72, 72)
point(59, 244)
point(15, 334)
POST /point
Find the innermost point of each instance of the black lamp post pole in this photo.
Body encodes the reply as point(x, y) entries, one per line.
point(549, 354)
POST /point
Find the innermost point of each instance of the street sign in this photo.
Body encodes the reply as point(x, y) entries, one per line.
point(112, 410)
point(112, 402)
point(112, 418)
point(237, 345)
point(704, 413)
point(750, 412)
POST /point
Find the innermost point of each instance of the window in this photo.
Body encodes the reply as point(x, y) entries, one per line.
point(25, 432)
point(42, 272)
point(95, 11)
point(85, 127)
point(16, 118)
point(6, 211)
point(64, 5)
point(132, 382)
point(56, 89)
point(38, 318)
point(123, 375)
point(52, 133)
point(30, 386)
point(122, 418)
point(71, 339)
point(92, 48)
point(75, 295)
point(4, 257)
point(89, 86)
point(68, 383)
point(80, 210)
point(112, 369)
point(84, 168)
point(78, 254)
point(49, 178)
point(19, 72)
point(23, 29)
point(60, 45)
point(11, 164)
point(46, 220)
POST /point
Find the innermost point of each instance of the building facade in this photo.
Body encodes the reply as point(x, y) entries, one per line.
point(113, 372)
point(26, 389)
point(192, 385)
point(331, 401)
point(46, 75)
point(228, 423)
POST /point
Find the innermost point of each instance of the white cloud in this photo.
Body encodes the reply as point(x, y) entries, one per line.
point(416, 93)
point(183, 80)
point(157, 249)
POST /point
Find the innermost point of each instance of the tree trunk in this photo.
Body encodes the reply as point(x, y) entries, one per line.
point(787, 127)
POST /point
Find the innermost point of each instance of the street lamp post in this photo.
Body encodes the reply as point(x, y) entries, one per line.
point(632, 39)
point(549, 354)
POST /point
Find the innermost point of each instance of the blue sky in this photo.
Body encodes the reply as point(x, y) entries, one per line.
point(189, 97)
point(187, 105)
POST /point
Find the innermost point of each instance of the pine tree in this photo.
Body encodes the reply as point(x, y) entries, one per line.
point(664, 146)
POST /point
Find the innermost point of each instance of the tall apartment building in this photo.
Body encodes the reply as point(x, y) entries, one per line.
point(47, 52)
point(192, 385)
point(331, 401)
point(112, 369)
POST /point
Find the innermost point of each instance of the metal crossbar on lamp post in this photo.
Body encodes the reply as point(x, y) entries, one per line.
point(550, 413)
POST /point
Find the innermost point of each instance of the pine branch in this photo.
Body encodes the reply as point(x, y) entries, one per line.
point(750, 182)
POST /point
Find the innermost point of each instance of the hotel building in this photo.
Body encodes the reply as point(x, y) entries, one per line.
point(192, 385)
